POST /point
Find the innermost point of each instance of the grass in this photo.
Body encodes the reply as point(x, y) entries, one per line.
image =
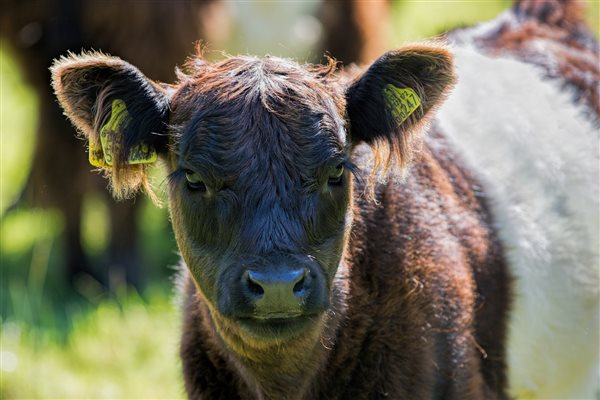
point(120, 349)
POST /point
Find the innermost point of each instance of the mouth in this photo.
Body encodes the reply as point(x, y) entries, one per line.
point(277, 328)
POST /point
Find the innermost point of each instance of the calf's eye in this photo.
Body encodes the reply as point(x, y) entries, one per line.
point(336, 175)
point(194, 182)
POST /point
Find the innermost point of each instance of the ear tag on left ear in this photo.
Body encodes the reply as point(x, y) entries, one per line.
point(119, 118)
point(401, 102)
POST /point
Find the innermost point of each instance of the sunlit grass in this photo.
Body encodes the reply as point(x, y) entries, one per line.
point(126, 350)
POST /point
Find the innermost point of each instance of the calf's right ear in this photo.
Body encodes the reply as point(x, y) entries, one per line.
point(121, 113)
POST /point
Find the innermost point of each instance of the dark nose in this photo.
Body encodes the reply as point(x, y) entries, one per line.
point(276, 287)
point(277, 293)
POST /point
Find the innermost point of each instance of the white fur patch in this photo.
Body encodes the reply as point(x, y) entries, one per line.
point(539, 158)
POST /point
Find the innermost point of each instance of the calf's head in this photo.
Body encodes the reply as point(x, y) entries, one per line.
point(259, 156)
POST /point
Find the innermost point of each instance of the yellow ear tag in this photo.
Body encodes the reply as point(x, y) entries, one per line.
point(96, 155)
point(401, 102)
point(140, 154)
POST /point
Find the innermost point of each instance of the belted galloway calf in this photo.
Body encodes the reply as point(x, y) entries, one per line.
point(308, 275)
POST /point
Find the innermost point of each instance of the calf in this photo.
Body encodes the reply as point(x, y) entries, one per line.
point(305, 274)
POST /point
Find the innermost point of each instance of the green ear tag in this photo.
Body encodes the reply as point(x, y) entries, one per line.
point(401, 102)
point(119, 118)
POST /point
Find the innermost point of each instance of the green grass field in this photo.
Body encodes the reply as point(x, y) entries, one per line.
point(120, 349)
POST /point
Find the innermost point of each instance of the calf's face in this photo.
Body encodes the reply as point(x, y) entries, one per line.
point(259, 191)
point(259, 159)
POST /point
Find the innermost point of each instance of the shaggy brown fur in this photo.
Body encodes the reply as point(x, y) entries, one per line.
point(428, 296)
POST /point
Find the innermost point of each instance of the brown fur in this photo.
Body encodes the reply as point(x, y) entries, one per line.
point(428, 296)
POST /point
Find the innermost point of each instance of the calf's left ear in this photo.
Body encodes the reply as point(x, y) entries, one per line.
point(387, 104)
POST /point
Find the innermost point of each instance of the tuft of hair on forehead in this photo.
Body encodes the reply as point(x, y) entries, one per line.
point(235, 71)
point(195, 63)
point(280, 84)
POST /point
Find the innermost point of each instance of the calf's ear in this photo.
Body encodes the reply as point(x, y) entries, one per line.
point(388, 104)
point(121, 113)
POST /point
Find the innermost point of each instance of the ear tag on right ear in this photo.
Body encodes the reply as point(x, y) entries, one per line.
point(401, 102)
point(96, 155)
point(119, 118)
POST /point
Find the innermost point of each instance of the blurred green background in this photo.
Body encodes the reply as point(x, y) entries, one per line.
point(57, 342)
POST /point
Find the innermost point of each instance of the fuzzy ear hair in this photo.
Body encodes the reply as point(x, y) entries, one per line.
point(389, 102)
point(122, 113)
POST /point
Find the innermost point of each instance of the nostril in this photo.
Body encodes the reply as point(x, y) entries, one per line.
point(255, 288)
point(299, 287)
point(302, 283)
